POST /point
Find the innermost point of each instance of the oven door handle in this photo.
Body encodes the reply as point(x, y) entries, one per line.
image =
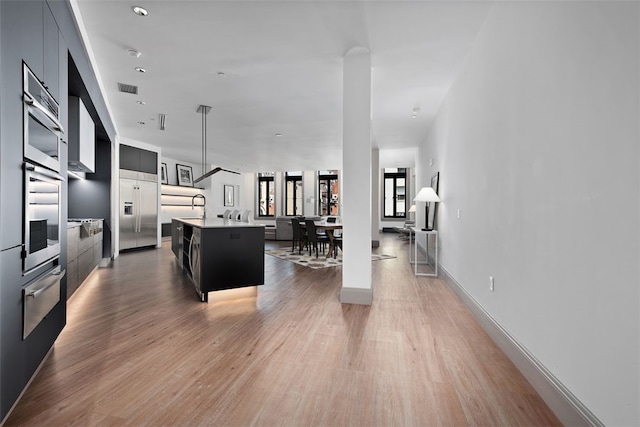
point(39, 171)
point(40, 112)
point(47, 282)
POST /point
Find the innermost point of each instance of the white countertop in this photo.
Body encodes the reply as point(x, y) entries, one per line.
point(216, 223)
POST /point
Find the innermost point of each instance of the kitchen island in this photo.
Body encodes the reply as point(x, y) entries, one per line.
point(218, 254)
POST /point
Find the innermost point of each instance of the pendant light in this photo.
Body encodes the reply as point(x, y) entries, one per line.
point(204, 110)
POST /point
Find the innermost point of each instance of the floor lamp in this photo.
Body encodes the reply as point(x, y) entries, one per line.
point(427, 195)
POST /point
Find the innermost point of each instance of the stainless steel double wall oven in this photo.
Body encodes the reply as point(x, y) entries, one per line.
point(42, 201)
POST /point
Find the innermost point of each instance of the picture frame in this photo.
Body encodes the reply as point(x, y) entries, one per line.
point(228, 195)
point(433, 206)
point(164, 178)
point(185, 175)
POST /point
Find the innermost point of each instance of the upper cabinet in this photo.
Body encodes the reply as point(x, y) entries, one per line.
point(51, 53)
point(38, 40)
point(137, 159)
point(82, 137)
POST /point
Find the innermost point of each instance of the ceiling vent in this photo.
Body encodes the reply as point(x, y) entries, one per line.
point(125, 88)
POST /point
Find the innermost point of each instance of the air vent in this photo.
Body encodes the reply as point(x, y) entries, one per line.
point(123, 87)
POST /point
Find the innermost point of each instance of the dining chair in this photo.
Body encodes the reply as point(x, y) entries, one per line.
point(234, 215)
point(313, 237)
point(333, 220)
point(245, 215)
point(299, 235)
point(226, 213)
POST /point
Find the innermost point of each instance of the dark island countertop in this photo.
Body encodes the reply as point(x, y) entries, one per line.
point(216, 223)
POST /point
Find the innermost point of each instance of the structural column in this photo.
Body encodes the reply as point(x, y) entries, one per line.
point(375, 198)
point(356, 178)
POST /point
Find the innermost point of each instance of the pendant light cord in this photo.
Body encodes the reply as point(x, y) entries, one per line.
point(204, 140)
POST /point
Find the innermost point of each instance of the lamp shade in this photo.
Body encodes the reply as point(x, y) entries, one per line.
point(426, 194)
point(412, 208)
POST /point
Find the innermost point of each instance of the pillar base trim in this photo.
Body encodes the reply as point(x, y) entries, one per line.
point(356, 296)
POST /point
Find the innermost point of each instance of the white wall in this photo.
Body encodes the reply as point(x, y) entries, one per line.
point(169, 212)
point(213, 187)
point(216, 193)
point(537, 144)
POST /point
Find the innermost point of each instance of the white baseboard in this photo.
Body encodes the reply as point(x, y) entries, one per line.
point(356, 296)
point(562, 402)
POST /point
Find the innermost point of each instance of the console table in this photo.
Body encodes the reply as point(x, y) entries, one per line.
point(414, 260)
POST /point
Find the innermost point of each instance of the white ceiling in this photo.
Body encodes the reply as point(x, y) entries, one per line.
point(283, 67)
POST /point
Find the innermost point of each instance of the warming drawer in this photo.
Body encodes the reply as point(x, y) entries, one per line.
point(39, 298)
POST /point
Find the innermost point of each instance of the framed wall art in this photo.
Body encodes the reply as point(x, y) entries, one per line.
point(164, 178)
point(433, 206)
point(228, 195)
point(185, 175)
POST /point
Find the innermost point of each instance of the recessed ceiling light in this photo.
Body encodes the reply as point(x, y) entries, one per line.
point(221, 74)
point(415, 113)
point(140, 11)
point(133, 52)
point(141, 123)
point(141, 102)
point(278, 134)
point(141, 70)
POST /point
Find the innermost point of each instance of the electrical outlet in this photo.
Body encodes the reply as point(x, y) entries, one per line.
point(491, 287)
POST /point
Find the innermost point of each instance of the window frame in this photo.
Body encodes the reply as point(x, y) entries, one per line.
point(293, 179)
point(328, 176)
point(394, 176)
point(270, 185)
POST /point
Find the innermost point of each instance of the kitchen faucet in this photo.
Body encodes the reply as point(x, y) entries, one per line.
point(204, 202)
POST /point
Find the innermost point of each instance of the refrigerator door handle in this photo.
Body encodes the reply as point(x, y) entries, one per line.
point(135, 209)
point(138, 214)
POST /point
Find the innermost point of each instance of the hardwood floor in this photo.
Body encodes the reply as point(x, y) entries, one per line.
point(140, 349)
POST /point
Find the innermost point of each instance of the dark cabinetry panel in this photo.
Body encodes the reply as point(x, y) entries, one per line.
point(51, 57)
point(129, 158)
point(137, 159)
point(33, 32)
point(29, 33)
point(177, 240)
point(27, 37)
point(232, 257)
point(148, 161)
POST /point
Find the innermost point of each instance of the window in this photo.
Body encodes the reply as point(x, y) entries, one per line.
point(329, 192)
point(266, 194)
point(395, 183)
point(293, 193)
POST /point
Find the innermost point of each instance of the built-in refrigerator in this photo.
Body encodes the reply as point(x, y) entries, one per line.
point(138, 209)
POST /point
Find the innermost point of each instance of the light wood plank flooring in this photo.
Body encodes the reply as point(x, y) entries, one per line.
point(140, 349)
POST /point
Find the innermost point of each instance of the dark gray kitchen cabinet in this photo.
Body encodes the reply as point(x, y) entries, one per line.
point(51, 54)
point(28, 36)
point(35, 35)
point(148, 162)
point(137, 159)
point(17, 35)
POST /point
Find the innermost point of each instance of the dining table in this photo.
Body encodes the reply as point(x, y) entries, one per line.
point(329, 228)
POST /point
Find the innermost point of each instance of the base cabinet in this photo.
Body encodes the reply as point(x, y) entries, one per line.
point(219, 258)
point(84, 253)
